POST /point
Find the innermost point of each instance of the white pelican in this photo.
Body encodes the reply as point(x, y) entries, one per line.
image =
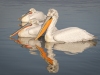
point(33, 14)
point(30, 30)
point(71, 34)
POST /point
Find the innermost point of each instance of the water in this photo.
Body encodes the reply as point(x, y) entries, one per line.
point(70, 59)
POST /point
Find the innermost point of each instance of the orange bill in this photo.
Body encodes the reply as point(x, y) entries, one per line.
point(19, 30)
point(44, 28)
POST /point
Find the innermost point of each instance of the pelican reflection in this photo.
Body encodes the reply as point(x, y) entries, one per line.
point(33, 45)
point(72, 48)
point(68, 48)
point(49, 55)
point(28, 43)
point(54, 68)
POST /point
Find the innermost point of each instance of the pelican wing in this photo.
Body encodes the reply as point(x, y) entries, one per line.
point(34, 30)
point(72, 34)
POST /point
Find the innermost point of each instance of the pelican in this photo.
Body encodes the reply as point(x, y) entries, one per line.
point(71, 34)
point(31, 29)
point(32, 13)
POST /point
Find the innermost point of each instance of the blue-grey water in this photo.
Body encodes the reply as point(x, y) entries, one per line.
point(21, 57)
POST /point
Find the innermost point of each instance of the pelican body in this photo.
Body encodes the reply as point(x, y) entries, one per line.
point(32, 13)
point(71, 34)
point(31, 30)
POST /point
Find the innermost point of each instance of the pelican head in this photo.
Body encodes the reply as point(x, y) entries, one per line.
point(52, 12)
point(51, 15)
point(34, 21)
point(31, 11)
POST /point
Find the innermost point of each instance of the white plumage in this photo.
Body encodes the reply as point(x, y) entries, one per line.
point(33, 30)
point(71, 34)
point(33, 14)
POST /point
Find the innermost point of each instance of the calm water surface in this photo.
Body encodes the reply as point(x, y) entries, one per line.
point(19, 56)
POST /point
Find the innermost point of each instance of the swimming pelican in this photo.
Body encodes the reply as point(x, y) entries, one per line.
point(30, 30)
point(71, 34)
point(32, 13)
